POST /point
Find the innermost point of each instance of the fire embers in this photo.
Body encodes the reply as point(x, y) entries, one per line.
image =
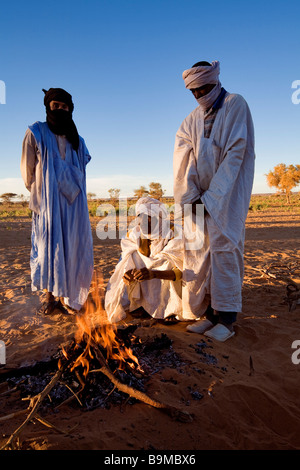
point(92, 355)
point(95, 390)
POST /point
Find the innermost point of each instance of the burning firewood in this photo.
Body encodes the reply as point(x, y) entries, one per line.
point(96, 348)
point(69, 364)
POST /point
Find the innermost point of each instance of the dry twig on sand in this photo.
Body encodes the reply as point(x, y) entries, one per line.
point(34, 405)
point(284, 272)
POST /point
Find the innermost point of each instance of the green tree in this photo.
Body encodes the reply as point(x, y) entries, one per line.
point(114, 194)
point(7, 197)
point(141, 192)
point(91, 196)
point(155, 190)
point(284, 178)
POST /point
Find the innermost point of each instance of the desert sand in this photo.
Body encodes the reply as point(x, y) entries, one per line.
point(245, 397)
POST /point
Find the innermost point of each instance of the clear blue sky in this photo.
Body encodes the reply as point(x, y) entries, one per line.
point(122, 61)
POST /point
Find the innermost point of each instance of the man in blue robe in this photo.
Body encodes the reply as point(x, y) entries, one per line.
point(53, 167)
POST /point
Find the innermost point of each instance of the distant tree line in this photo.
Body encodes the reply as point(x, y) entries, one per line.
point(154, 190)
point(283, 177)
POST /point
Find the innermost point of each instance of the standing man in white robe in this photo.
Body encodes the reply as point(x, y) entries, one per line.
point(214, 165)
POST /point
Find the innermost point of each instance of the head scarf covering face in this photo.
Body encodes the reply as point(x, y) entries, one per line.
point(196, 77)
point(150, 207)
point(60, 122)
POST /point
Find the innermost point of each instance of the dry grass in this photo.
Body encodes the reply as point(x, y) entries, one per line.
point(259, 202)
point(274, 203)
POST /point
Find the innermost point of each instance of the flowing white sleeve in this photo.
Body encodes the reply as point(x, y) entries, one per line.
point(186, 179)
point(28, 159)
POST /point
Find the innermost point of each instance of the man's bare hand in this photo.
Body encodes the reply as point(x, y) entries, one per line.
point(128, 276)
point(194, 207)
point(143, 274)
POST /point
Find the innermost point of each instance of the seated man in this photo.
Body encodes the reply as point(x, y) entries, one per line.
point(148, 274)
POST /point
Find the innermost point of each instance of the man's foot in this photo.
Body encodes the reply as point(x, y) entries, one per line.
point(139, 313)
point(200, 326)
point(171, 319)
point(48, 307)
point(220, 332)
point(64, 308)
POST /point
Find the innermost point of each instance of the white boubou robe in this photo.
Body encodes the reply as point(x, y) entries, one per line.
point(220, 171)
point(160, 298)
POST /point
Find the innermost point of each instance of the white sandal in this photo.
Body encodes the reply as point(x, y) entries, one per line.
point(219, 332)
point(200, 326)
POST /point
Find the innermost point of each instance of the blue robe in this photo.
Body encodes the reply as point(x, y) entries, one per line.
point(61, 257)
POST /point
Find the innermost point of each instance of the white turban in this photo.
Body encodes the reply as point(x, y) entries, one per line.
point(202, 75)
point(150, 206)
point(156, 209)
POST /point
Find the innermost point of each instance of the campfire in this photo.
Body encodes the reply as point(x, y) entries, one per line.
point(100, 351)
point(97, 338)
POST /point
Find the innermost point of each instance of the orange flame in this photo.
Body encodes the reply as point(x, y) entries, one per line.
point(93, 328)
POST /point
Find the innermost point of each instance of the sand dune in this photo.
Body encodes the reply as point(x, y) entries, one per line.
point(242, 394)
